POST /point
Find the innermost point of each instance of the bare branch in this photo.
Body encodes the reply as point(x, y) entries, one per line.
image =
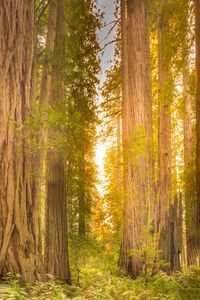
point(42, 11)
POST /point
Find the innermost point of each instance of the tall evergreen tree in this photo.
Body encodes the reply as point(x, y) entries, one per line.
point(189, 145)
point(136, 118)
point(81, 80)
point(56, 239)
point(19, 208)
point(164, 131)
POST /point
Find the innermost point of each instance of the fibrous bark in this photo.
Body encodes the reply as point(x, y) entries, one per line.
point(136, 116)
point(190, 198)
point(19, 208)
point(169, 212)
point(56, 252)
point(164, 135)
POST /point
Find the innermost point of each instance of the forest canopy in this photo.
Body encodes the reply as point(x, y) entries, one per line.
point(100, 149)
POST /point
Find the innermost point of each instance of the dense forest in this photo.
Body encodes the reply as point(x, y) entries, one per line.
point(100, 149)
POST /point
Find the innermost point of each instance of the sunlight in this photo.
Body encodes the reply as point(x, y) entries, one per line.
point(100, 153)
point(100, 149)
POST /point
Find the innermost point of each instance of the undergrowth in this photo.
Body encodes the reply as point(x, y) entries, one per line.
point(97, 277)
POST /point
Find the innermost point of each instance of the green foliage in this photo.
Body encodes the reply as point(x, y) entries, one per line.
point(111, 106)
point(189, 283)
point(107, 211)
point(72, 120)
point(82, 67)
point(99, 279)
point(11, 289)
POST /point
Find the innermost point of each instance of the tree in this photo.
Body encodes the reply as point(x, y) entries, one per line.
point(189, 147)
point(136, 119)
point(82, 67)
point(189, 170)
point(172, 17)
point(19, 208)
point(56, 243)
point(164, 132)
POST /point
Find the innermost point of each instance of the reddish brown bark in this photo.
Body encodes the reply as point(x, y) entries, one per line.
point(169, 221)
point(190, 198)
point(136, 115)
point(56, 252)
point(164, 132)
point(19, 208)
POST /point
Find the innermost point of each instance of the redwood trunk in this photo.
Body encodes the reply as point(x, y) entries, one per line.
point(19, 209)
point(164, 139)
point(169, 221)
point(49, 49)
point(135, 97)
point(56, 255)
point(190, 199)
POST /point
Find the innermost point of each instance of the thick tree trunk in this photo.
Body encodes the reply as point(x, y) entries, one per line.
point(19, 210)
point(119, 156)
point(164, 139)
point(174, 234)
point(169, 221)
point(135, 97)
point(119, 173)
point(149, 131)
point(187, 121)
point(41, 153)
point(49, 49)
point(190, 198)
point(57, 262)
point(178, 234)
point(56, 255)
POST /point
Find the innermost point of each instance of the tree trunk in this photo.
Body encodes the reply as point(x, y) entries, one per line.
point(119, 174)
point(119, 159)
point(149, 130)
point(49, 49)
point(190, 197)
point(174, 234)
point(178, 233)
point(19, 210)
point(164, 138)
point(135, 97)
point(56, 255)
point(187, 120)
point(41, 153)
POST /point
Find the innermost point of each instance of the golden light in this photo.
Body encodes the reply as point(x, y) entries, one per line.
point(100, 153)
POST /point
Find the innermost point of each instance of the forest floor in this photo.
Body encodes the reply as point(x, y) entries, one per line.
point(96, 277)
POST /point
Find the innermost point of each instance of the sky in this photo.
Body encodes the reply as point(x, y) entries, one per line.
point(108, 7)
